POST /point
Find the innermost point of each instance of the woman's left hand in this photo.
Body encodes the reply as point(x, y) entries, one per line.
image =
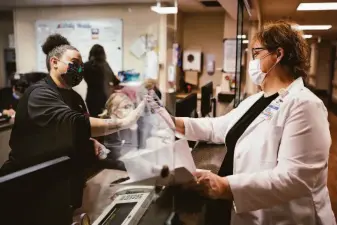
point(97, 146)
point(213, 186)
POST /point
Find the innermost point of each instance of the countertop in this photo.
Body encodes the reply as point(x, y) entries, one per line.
point(98, 191)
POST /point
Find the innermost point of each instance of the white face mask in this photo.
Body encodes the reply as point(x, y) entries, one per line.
point(255, 72)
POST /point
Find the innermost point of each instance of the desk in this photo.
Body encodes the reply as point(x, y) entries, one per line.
point(182, 95)
point(98, 192)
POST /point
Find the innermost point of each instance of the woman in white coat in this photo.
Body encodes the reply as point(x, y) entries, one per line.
point(275, 168)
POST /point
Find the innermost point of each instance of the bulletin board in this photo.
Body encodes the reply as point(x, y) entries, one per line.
point(83, 34)
point(229, 48)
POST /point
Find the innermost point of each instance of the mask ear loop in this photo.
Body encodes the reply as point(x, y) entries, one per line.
point(277, 62)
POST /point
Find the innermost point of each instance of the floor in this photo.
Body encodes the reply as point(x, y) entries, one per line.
point(332, 176)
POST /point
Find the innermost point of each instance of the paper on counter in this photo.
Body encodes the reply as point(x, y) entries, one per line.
point(144, 166)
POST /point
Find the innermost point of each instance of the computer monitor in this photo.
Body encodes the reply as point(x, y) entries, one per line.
point(37, 195)
point(206, 96)
point(187, 106)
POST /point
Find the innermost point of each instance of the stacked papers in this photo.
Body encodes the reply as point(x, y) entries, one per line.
point(144, 166)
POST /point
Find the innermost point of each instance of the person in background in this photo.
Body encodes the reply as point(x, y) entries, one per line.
point(278, 140)
point(100, 80)
point(9, 97)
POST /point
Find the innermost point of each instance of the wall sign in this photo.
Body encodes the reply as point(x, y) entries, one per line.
point(229, 62)
point(83, 34)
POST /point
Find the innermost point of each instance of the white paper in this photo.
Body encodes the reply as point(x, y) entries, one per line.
point(171, 73)
point(229, 55)
point(11, 41)
point(138, 48)
point(152, 65)
point(144, 166)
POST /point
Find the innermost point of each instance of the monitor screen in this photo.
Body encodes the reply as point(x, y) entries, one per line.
point(118, 214)
point(206, 96)
point(187, 106)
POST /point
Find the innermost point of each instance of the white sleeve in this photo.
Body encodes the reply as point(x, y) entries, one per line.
point(303, 155)
point(207, 129)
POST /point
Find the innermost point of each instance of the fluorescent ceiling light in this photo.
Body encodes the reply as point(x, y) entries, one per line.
point(307, 36)
point(312, 27)
point(164, 10)
point(245, 41)
point(317, 6)
point(243, 36)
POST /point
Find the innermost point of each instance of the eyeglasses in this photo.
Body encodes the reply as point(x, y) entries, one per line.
point(256, 51)
point(74, 66)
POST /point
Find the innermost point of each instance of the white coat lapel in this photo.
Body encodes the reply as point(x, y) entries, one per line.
point(242, 109)
point(273, 107)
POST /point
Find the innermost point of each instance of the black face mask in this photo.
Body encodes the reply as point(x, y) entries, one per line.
point(74, 74)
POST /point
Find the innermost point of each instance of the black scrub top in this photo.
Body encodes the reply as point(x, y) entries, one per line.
point(49, 123)
point(219, 211)
point(7, 99)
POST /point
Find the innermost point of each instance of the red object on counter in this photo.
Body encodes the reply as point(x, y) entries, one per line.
point(189, 88)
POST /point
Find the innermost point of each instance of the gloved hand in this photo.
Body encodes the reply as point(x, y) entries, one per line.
point(155, 106)
point(132, 117)
point(9, 112)
point(114, 124)
point(100, 150)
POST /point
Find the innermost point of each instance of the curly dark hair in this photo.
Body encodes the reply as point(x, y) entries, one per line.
point(55, 45)
point(283, 34)
point(97, 53)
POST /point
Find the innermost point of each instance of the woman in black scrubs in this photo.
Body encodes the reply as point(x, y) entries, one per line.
point(52, 119)
point(100, 80)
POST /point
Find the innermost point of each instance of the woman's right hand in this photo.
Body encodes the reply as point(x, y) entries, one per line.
point(133, 116)
point(156, 107)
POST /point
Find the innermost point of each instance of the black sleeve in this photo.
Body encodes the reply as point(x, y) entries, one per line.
point(46, 109)
point(114, 79)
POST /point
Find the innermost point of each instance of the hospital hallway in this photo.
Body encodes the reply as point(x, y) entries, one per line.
point(332, 176)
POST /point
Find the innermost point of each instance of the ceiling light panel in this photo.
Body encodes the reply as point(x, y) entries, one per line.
point(312, 27)
point(317, 6)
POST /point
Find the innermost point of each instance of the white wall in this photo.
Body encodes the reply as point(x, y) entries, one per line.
point(6, 29)
point(205, 31)
point(137, 20)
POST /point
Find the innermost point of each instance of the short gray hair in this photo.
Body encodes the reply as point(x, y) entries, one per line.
point(58, 52)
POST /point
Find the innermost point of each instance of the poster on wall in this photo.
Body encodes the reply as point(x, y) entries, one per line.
point(229, 62)
point(83, 34)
